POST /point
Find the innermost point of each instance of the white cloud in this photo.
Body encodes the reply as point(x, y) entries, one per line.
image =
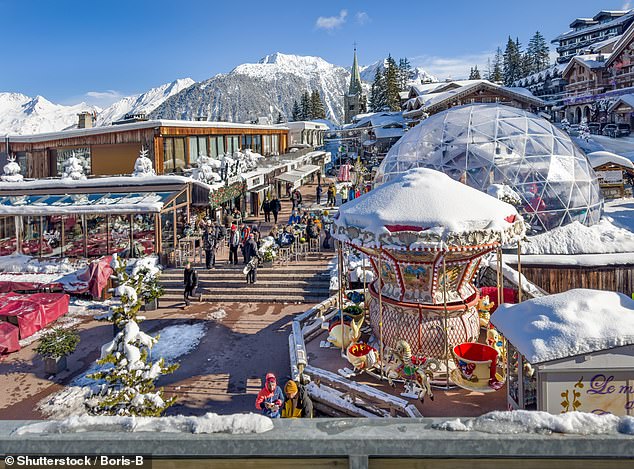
point(626, 6)
point(331, 22)
point(452, 67)
point(362, 17)
point(102, 98)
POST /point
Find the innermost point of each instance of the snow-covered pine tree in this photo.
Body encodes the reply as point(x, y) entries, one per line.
point(296, 113)
point(584, 130)
point(73, 168)
point(306, 107)
point(129, 387)
point(280, 118)
point(512, 67)
point(404, 73)
point(391, 85)
point(143, 165)
point(474, 74)
point(12, 171)
point(538, 52)
point(378, 100)
point(317, 106)
point(497, 72)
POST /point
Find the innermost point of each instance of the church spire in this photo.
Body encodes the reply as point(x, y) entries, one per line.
point(355, 77)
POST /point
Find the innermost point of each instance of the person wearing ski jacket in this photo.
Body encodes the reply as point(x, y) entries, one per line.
point(270, 398)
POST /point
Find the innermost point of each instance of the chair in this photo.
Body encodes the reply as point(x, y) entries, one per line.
point(284, 255)
point(314, 245)
point(301, 249)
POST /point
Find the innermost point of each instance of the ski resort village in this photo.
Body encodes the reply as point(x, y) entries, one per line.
point(424, 260)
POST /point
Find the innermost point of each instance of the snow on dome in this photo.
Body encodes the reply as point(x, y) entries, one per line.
point(597, 158)
point(432, 204)
point(484, 144)
point(143, 165)
point(567, 324)
point(11, 171)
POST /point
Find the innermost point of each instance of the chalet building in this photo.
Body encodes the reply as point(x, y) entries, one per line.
point(432, 98)
point(305, 133)
point(111, 150)
point(548, 85)
point(355, 100)
point(586, 32)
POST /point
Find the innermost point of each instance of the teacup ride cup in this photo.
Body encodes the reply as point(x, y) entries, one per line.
point(477, 364)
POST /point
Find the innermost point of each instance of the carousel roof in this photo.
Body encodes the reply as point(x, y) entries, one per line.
point(567, 324)
point(435, 211)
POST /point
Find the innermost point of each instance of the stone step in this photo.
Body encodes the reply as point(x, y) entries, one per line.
point(242, 298)
point(269, 283)
point(256, 290)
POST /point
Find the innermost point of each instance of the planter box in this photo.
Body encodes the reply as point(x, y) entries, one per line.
point(151, 306)
point(267, 263)
point(55, 365)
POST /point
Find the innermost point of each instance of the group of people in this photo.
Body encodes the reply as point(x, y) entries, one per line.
point(271, 206)
point(294, 402)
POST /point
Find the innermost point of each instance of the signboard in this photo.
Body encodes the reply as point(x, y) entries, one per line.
point(610, 177)
point(255, 181)
point(595, 392)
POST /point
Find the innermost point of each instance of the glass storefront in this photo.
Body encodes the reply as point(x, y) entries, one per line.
point(63, 154)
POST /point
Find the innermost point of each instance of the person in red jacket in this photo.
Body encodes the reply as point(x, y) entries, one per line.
point(270, 398)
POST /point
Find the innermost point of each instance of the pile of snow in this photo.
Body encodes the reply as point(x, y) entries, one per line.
point(504, 193)
point(20, 263)
point(575, 238)
point(206, 170)
point(217, 315)
point(447, 208)
point(175, 341)
point(73, 169)
point(522, 421)
point(208, 423)
point(567, 324)
point(11, 171)
point(143, 165)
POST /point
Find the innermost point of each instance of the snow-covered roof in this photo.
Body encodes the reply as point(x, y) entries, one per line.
point(627, 99)
point(598, 158)
point(566, 324)
point(301, 125)
point(597, 27)
point(438, 209)
point(136, 126)
point(99, 182)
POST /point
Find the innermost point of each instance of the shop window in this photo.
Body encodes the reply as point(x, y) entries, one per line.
point(96, 235)
point(144, 234)
point(232, 144)
point(31, 236)
point(82, 154)
point(266, 145)
point(167, 231)
point(73, 236)
point(197, 147)
point(173, 155)
point(257, 144)
point(8, 239)
point(52, 235)
point(119, 226)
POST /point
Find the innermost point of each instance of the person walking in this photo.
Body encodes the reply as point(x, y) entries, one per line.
point(270, 398)
point(191, 282)
point(297, 199)
point(276, 207)
point(266, 208)
point(244, 237)
point(251, 254)
point(319, 191)
point(298, 403)
point(332, 195)
point(234, 243)
point(209, 245)
point(344, 195)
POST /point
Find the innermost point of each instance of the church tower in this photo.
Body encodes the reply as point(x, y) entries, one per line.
point(354, 101)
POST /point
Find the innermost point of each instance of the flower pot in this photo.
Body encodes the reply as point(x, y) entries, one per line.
point(151, 305)
point(53, 366)
point(267, 263)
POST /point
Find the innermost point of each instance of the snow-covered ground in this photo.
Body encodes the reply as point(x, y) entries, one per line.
point(623, 146)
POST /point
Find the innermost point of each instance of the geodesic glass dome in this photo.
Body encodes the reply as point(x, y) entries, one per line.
point(485, 144)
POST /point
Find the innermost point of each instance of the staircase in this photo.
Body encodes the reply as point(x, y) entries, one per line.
point(304, 281)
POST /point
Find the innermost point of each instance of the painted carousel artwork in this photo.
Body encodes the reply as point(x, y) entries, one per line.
point(425, 235)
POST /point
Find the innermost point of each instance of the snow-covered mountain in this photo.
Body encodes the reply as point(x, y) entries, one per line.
point(142, 103)
point(417, 74)
point(261, 89)
point(22, 115)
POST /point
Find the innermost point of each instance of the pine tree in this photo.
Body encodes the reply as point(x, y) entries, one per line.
point(512, 62)
point(317, 106)
point(306, 107)
point(296, 113)
point(497, 73)
point(538, 52)
point(474, 74)
point(129, 383)
point(489, 71)
point(391, 85)
point(280, 119)
point(404, 73)
point(377, 92)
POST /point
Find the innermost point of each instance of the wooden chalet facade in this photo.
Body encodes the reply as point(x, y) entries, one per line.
point(173, 146)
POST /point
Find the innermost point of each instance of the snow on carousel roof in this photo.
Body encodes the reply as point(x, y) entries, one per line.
point(437, 210)
point(567, 324)
point(598, 158)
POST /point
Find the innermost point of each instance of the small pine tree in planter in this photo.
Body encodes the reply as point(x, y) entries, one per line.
point(267, 258)
point(55, 346)
point(129, 383)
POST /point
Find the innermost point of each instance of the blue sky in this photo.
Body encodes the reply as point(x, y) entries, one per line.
point(97, 51)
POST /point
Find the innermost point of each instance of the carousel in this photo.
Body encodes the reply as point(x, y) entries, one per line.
point(425, 235)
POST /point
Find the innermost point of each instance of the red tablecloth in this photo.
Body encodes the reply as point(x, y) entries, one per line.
point(509, 294)
point(10, 285)
point(33, 312)
point(9, 338)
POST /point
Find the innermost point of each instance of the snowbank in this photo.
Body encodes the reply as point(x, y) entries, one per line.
point(566, 324)
point(598, 158)
point(522, 421)
point(20, 263)
point(208, 423)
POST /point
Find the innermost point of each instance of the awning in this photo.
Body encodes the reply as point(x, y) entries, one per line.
point(298, 174)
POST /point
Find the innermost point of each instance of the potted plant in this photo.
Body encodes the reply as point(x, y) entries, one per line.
point(55, 346)
point(354, 311)
point(267, 258)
